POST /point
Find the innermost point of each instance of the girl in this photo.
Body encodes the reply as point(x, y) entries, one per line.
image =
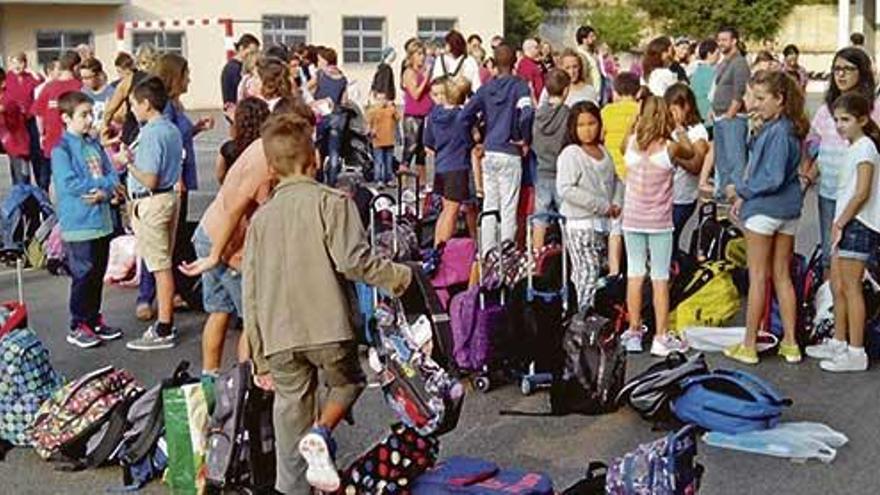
point(855, 235)
point(769, 205)
point(655, 65)
point(330, 87)
point(590, 193)
point(273, 81)
point(647, 218)
point(580, 90)
point(826, 148)
point(416, 106)
point(683, 105)
point(455, 62)
point(250, 113)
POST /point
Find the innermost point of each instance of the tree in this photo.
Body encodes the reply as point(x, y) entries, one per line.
point(522, 18)
point(618, 25)
point(755, 19)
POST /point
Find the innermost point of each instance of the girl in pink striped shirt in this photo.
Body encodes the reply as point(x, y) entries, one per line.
point(647, 218)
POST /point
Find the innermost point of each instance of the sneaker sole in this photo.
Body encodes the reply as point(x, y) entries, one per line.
point(152, 347)
point(847, 370)
point(321, 473)
point(106, 338)
point(741, 360)
point(73, 341)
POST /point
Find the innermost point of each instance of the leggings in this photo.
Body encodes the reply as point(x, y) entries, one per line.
point(586, 247)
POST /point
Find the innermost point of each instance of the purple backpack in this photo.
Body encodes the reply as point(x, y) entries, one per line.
point(454, 268)
point(465, 475)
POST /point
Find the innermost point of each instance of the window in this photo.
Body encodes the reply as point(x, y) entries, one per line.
point(435, 29)
point(51, 44)
point(362, 39)
point(285, 30)
point(164, 41)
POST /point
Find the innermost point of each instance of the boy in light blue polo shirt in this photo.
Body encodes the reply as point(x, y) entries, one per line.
point(154, 204)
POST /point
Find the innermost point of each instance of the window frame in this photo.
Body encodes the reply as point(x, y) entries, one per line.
point(156, 33)
point(283, 32)
point(65, 44)
point(435, 34)
point(359, 34)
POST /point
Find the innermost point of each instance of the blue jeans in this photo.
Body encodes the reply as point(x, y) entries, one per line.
point(87, 261)
point(731, 136)
point(330, 137)
point(826, 220)
point(18, 170)
point(384, 158)
point(680, 216)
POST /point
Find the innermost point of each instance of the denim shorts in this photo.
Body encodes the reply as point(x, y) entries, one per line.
point(546, 198)
point(858, 242)
point(221, 286)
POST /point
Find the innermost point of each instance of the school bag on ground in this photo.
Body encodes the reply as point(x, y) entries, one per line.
point(79, 409)
point(666, 466)
point(729, 402)
point(651, 392)
point(593, 482)
point(466, 475)
point(186, 408)
point(241, 438)
point(375, 473)
point(708, 299)
point(806, 276)
point(717, 239)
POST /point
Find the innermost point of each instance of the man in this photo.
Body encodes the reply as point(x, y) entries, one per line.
point(231, 75)
point(94, 80)
point(587, 41)
point(475, 44)
point(529, 68)
point(731, 122)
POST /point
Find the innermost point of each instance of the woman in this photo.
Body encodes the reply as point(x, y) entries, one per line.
point(658, 77)
point(547, 62)
point(455, 61)
point(131, 71)
point(416, 106)
point(825, 147)
point(580, 90)
point(173, 70)
point(331, 92)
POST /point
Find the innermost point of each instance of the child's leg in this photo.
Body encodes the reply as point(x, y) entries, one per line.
point(593, 269)
point(470, 217)
point(852, 272)
point(79, 259)
point(636, 259)
point(841, 323)
point(759, 249)
point(293, 414)
point(244, 349)
point(491, 197)
point(615, 254)
point(577, 253)
point(165, 295)
point(101, 256)
point(783, 246)
point(660, 249)
point(446, 222)
point(213, 337)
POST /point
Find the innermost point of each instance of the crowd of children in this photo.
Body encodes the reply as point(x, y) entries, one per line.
point(623, 155)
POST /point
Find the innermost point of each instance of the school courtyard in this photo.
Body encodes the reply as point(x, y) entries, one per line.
point(560, 447)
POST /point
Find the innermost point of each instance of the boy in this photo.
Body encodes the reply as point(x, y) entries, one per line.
point(450, 140)
point(506, 106)
point(154, 203)
point(617, 120)
point(704, 76)
point(85, 181)
point(297, 325)
point(382, 120)
point(46, 110)
point(549, 136)
point(94, 84)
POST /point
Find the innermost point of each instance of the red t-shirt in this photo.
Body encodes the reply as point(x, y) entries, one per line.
point(46, 108)
point(530, 71)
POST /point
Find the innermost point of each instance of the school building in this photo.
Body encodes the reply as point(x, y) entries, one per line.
point(203, 30)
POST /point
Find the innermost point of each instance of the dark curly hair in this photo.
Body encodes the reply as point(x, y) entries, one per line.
point(250, 114)
point(866, 85)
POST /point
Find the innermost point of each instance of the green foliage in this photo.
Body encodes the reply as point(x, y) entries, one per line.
point(618, 25)
point(522, 18)
point(755, 19)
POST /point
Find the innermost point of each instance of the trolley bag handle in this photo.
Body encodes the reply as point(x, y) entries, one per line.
point(500, 267)
point(19, 279)
point(400, 176)
point(374, 212)
point(708, 213)
point(531, 293)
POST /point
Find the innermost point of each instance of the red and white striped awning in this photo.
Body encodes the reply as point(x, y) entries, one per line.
point(162, 24)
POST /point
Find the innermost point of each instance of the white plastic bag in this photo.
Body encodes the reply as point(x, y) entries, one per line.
point(796, 441)
point(123, 267)
point(716, 339)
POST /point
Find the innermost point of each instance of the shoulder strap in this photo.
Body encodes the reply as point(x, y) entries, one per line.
point(459, 66)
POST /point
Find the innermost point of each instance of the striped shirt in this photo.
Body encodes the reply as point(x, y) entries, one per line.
point(647, 204)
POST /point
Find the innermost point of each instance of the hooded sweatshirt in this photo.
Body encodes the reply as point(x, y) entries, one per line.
point(548, 136)
point(506, 105)
point(449, 138)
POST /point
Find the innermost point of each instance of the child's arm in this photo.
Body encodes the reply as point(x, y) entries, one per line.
point(864, 179)
point(767, 177)
point(694, 165)
point(682, 148)
point(348, 247)
point(220, 168)
point(249, 301)
point(68, 182)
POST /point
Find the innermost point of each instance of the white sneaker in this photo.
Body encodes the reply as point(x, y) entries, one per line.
point(632, 341)
point(848, 360)
point(828, 349)
point(321, 473)
point(662, 346)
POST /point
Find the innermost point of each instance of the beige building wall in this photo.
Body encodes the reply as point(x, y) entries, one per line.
point(204, 45)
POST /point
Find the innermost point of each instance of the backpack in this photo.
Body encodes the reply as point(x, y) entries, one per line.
point(666, 466)
point(806, 276)
point(729, 402)
point(651, 392)
point(455, 76)
point(27, 378)
point(717, 240)
point(79, 409)
point(708, 299)
point(593, 482)
point(56, 256)
point(21, 214)
point(454, 268)
point(465, 475)
point(241, 440)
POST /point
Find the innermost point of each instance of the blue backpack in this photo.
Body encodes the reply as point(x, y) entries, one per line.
point(730, 402)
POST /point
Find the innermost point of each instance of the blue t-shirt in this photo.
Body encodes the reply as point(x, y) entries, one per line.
point(159, 152)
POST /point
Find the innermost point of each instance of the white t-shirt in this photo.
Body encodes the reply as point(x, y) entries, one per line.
point(686, 185)
point(660, 80)
point(861, 151)
point(470, 70)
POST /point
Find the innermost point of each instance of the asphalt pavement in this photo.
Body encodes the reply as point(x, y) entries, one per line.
point(559, 446)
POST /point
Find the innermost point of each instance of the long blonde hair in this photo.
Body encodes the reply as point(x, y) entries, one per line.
point(173, 70)
point(655, 122)
point(146, 57)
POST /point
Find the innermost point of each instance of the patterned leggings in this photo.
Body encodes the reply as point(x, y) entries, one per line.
point(586, 248)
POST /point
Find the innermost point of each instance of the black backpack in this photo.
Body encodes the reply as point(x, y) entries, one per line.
point(241, 439)
point(651, 392)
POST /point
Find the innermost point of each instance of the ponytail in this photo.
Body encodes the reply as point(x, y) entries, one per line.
point(872, 130)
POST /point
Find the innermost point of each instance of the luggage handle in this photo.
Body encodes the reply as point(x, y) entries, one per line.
point(373, 226)
point(531, 293)
point(500, 268)
point(400, 175)
point(19, 278)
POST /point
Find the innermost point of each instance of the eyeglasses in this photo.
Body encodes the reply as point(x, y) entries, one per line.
point(844, 69)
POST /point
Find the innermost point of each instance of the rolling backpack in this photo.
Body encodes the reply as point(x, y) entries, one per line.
point(651, 392)
point(729, 402)
point(666, 466)
point(77, 411)
point(709, 298)
point(241, 440)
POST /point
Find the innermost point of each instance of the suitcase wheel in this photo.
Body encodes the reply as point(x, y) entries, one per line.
point(482, 383)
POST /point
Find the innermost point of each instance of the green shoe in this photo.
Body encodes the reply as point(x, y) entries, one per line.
point(791, 352)
point(742, 354)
